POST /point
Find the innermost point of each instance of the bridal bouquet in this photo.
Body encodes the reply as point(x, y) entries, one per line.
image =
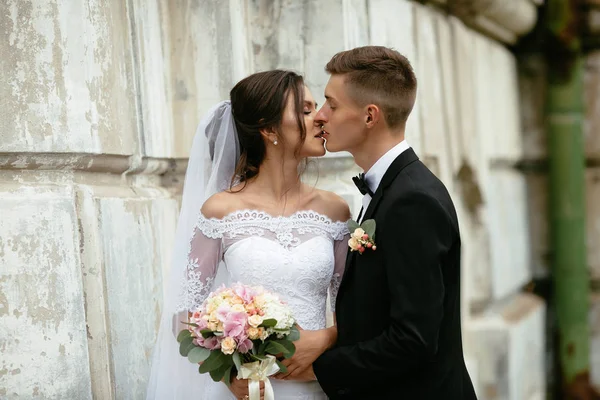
point(240, 327)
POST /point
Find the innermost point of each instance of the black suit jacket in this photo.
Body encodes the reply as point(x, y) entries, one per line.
point(398, 308)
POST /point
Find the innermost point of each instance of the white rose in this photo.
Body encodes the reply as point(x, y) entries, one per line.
point(353, 243)
point(358, 233)
point(228, 345)
point(255, 320)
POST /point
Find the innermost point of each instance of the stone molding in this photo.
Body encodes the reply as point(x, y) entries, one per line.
point(503, 20)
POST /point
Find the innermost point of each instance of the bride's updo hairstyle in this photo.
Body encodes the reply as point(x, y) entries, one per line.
point(258, 102)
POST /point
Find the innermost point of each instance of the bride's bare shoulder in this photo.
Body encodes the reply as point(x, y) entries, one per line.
point(332, 205)
point(220, 205)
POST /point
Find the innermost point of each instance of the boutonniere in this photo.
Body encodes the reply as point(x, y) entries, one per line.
point(362, 236)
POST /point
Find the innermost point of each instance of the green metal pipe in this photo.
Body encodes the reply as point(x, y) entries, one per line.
point(564, 117)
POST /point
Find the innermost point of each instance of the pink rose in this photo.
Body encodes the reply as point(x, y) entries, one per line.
point(235, 324)
point(212, 343)
point(199, 341)
point(245, 346)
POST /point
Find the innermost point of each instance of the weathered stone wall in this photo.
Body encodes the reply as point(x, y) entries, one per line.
point(99, 105)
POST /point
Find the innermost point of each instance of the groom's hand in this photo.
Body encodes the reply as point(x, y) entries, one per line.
point(308, 348)
point(306, 375)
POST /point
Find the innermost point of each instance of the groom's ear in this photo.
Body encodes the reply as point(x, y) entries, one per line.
point(372, 115)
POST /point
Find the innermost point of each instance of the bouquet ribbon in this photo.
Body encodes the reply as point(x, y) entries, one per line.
point(257, 372)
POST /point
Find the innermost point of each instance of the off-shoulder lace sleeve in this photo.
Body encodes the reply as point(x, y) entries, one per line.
point(340, 253)
point(205, 254)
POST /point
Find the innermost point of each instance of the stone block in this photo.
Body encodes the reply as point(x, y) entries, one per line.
point(130, 230)
point(476, 266)
point(465, 66)
point(504, 138)
point(445, 41)
point(42, 319)
point(496, 249)
point(538, 214)
point(276, 34)
point(356, 23)
point(324, 36)
point(392, 23)
point(67, 82)
point(506, 217)
point(508, 345)
point(153, 70)
point(532, 80)
point(208, 56)
point(435, 138)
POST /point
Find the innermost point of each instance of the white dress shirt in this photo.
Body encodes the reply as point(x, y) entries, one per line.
point(375, 174)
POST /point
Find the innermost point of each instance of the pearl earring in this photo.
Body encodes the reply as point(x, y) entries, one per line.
point(275, 142)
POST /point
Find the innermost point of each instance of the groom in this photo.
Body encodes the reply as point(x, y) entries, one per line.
point(398, 307)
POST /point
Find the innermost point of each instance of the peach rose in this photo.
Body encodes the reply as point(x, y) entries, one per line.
point(228, 345)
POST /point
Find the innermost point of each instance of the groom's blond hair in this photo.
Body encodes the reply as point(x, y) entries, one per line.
point(378, 75)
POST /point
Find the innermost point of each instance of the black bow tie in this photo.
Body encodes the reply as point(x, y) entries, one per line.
point(361, 184)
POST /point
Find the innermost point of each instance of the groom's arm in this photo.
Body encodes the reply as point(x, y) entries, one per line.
point(415, 238)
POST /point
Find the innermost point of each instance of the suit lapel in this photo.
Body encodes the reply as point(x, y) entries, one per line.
point(401, 162)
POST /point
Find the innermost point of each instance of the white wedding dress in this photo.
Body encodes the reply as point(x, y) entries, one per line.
point(299, 257)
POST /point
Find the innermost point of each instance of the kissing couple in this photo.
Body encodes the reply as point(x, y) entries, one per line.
point(248, 217)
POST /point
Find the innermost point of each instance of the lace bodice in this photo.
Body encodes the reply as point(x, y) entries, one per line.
point(299, 257)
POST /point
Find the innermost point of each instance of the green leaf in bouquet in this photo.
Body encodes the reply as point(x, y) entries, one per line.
point(186, 345)
point(289, 346)
point(218, 374)
point(190, 324)
point(206, 333)
point(352, 225)
point(227, 376)
point(183, 334)
point(276, 347)
point(237, 361)
point(216, 360)
point(257, 357)
point(294, 334)
point(262, 347)
point(282, 368)
point(269, 323)
point(369, 227)
point(198, 354)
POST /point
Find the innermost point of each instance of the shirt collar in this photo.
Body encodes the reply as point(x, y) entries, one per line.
point(375, 174)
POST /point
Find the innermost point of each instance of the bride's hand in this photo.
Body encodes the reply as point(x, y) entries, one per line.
point(239, 388)
point(308, 348)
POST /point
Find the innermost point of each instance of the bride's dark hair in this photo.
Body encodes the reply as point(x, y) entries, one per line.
point(258, 102)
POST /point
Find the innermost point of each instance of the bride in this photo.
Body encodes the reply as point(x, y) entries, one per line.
point(247, 217)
